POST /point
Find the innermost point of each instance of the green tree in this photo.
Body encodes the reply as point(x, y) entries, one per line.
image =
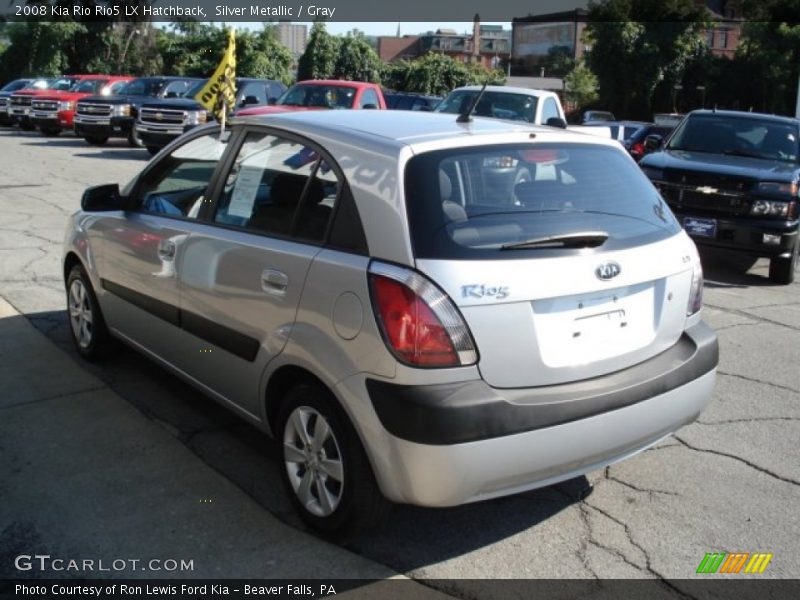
point(357, 60)
point(581, 86)
point(319, 59)
point(437, 74)
point(637, 47)
point(260, 54)
point(558, 62)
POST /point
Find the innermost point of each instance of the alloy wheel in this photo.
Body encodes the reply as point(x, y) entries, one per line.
point(81, 317)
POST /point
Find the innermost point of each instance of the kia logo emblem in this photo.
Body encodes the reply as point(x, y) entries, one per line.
point(607, 271)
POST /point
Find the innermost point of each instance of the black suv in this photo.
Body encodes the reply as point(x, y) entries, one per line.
point(732, 179)
point(98, 118)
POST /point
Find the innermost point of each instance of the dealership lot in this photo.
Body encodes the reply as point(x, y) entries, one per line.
point(729, 483)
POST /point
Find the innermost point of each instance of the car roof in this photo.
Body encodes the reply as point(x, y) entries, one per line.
point(505, 88)
point(747, 115)
point(337, 82)
point(383, 127)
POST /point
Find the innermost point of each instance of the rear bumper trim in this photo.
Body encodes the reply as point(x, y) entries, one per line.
point(470, 411)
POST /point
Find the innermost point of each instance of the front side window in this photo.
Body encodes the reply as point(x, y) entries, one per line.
point(279, 186)
point(176, 89)
point(177, 185)
point(369, 98)
point(504, 202)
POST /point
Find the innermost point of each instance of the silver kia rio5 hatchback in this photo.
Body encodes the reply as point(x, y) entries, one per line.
point(418, 309)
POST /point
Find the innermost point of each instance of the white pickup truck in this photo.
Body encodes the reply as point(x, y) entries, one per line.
point(537, 107)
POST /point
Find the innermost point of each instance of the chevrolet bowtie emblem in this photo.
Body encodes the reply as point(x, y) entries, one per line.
point(705, 189)
point(159, 116)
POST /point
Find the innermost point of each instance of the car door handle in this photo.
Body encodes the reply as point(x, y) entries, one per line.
point(166, 249)
point(274, 282)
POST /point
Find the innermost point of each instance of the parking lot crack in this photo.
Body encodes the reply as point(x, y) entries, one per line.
point(741, 460)
point(748, 315)
point(759, 381)
point(753, 420)
point(54, 397)
point(650, 492)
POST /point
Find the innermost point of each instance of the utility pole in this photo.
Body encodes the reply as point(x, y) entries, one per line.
point(797, 106)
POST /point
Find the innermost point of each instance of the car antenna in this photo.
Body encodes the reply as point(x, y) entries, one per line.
point(466, 116)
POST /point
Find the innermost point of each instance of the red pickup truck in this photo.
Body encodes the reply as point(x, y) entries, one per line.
point(317, 94)
point(55, 111)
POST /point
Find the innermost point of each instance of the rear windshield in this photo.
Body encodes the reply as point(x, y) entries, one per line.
point(499, 105)
point(737, 136)
point(489, 202)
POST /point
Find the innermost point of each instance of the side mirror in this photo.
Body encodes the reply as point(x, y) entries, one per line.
point(556, 122)
point(249, 100)
point(653, 142)
point(370, 107)
point(102, 198)
point(272, 101)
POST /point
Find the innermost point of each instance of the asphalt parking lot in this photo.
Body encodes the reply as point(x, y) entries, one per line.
point(728, 483)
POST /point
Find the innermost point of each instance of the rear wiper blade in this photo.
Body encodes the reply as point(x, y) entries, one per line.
point(581, 239)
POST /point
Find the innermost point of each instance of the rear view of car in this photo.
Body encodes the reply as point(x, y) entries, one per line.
point(414, 313)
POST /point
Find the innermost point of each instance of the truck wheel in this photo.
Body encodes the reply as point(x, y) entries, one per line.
point(153, 150)
point(96, 140)
point(134, 141)
point(51, 131)
point(27, 126)
point(326, 471)
point(782, 269)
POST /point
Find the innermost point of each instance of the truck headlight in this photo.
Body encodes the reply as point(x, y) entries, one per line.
point(121, 110)
point(66, 105)
point(769, 208)
point(195, 117)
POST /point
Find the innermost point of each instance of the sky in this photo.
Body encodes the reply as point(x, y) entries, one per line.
point(387, 28)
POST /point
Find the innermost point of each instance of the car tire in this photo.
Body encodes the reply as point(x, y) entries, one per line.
point(782, 269)
point(51, 131)
point(134, 141)
point(27, 127)
point(96, 140)
point(86, 323)
point(329, 480)
point(153, 150)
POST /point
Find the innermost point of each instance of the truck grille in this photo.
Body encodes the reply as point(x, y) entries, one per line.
point(94, 110)
point(45, 105)
point(158, 116)
point(21, 101)
point(705, 198)
point(3, 102)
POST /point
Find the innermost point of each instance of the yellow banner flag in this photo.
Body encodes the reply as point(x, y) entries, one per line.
point(219, 94)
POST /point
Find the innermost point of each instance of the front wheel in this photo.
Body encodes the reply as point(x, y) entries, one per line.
point(51, 131)
point(96, 140)
point(326, 471)
point(86, 321)
point(782, 269)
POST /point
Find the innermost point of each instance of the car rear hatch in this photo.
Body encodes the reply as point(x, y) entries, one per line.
point(562, 258)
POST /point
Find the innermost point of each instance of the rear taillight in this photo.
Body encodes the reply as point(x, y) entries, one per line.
point(696, 293)
point(420, 324)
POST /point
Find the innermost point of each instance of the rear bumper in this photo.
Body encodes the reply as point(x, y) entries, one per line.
point(467, 447)
point(746, 235)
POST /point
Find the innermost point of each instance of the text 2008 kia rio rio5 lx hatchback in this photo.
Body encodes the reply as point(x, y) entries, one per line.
point(418, 309)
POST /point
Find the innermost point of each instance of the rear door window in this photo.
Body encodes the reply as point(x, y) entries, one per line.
point(485, 201)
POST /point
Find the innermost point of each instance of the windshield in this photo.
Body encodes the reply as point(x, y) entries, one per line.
point(143, 87)
point(15, 85)
point(737, 136)
point(498, 105)
point(195, 89)
point(63, 85)
point(89, 86)
point(324, 96)
point(492, 199)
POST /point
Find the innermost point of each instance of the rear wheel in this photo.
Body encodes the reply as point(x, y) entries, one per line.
point(51, 131)
point(96, 140)
point(783, 268)
point(88, 328)
point(326, 471)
